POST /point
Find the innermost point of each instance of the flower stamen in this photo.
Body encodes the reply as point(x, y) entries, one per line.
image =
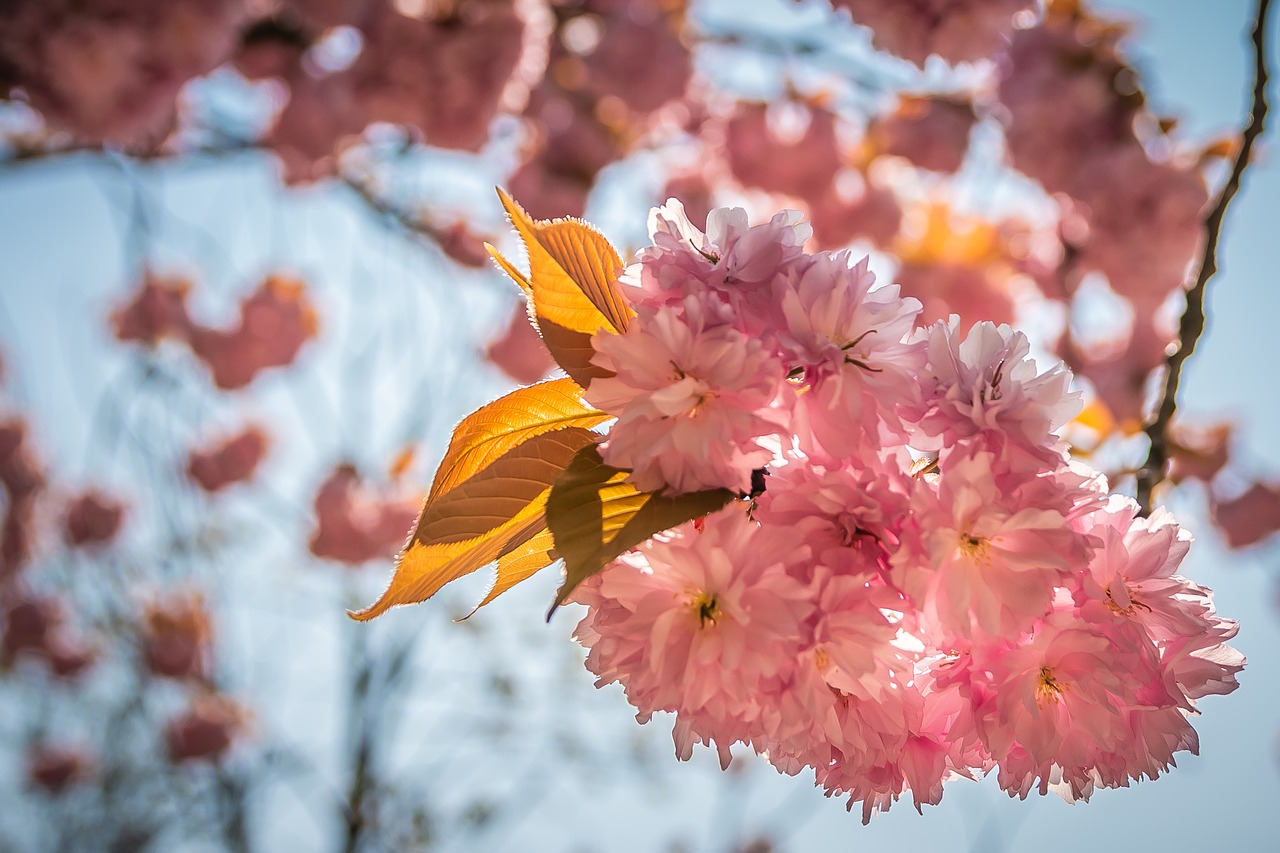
point(1048, 688)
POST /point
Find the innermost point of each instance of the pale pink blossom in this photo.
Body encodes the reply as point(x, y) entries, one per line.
point(851, 518)
point(931, 131)
point(956, 30)
point(891, 624)
point(733, 258)
point(691, 396)
point(783, 147)
point(1068, 94)
point(847, 344)
point(703, 623)
point(1062, 694)
point(1131, 574)
point(989, 559)
point(1250, 517)
point(855, 207)
point(987, 388)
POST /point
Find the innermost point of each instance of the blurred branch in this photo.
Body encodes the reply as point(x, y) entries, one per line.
point(356, 807)
point(401, 217)
point(1192, 326)
point(42, 154)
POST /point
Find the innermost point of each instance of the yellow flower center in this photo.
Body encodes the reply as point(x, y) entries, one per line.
point(1134, 604)
point(973, 547)
point(704, 604)
point(1049, 688)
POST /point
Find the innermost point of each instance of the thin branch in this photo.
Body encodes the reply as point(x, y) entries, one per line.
point(23, 155)
point(399, 216)
point(403, 218)
point(1152, 472)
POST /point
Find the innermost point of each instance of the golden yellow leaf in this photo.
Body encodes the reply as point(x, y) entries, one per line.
point(510, 269)
point(573, 272)
point(423, 570)
point(571, 350)
point(496, 428)
point(594, 515)
point(521, 563)
point(486, 516)
point(591, 263)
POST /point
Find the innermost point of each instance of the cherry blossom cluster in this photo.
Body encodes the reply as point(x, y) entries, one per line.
point(275, 321)
point(919, 582)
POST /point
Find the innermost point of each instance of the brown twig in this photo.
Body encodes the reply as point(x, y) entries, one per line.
point(397, 215)
point(1152, 472)
point(403, 218)
point(44, 153)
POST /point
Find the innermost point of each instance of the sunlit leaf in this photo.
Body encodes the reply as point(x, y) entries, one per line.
point(573, 272)
point(522, 563)
point(488, 515)
point(591, 262)
point(496, 428)
point(510, 269)
point(594, 515)
point(571, 350)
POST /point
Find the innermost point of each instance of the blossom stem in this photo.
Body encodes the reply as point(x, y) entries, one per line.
point(1192, 325)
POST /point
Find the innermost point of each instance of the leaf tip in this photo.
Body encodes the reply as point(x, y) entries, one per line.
point(362, 615)
point(514, 211)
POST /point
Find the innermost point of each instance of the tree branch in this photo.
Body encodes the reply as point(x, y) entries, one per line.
point(1192, 326)
point(34, 153)
point(380, 207)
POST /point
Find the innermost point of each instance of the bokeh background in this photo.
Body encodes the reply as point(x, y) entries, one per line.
point(254, 351)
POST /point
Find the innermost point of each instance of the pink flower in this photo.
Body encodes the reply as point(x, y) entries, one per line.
point(93, 519)
point(693, 398)
point(1204, 665)
point(230, 460)
point(733, 259)
point(987, 388)
point(1060, 699)
point(1250, 517)
point(703, 623)
point(855, 637)
point(854, 206)
point(206, 730)
point(57, 767)
point(639, 58)
point(975, 291)
point(996, 609)
point(849, 344)
point(275, 321)
point(990, 558)
point(956, 30)
point(177, 639)
point(354, 525)
point(851, 519)
point(442, 71)
point(904, 741)
point(932, 131)
point(158, 310)
point(1069, 96)
point(519, 352)
point(783, 147)
point(1132, 575)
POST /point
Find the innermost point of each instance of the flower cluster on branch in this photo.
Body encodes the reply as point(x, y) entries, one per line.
point(867, 551)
